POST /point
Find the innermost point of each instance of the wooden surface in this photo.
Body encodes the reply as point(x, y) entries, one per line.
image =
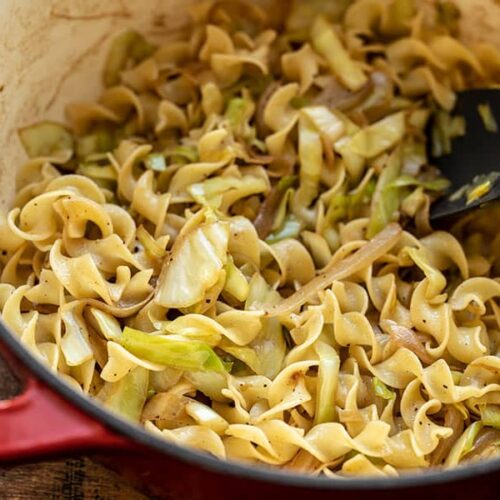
point(74, 479)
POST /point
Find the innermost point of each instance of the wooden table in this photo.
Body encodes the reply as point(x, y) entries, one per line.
point(73, 479)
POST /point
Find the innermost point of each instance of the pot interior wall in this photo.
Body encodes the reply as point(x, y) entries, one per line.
point(51, 53)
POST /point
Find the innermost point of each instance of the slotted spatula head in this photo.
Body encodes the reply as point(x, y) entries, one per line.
point(477, 153)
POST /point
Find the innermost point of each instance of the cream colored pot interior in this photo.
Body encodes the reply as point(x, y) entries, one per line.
point(51, 53)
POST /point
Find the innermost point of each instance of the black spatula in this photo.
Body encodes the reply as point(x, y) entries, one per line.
point(477, 153)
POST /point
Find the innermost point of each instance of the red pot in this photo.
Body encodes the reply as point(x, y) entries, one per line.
point(49, 419)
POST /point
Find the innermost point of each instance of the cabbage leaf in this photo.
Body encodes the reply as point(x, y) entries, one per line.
point(127, 396)
point(379, 137)
point(326, 42)
point(45, 139)
point(195, 264)
point(182, 354)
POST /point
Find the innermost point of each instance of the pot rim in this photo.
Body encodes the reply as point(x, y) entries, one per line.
point(228, 467)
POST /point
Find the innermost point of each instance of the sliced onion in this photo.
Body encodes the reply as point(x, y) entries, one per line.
point(488, 438)
point(267, 213)
point(452, 419)
point(365, 256)
point(404, 337)
point(265, 218)
point(336, 96)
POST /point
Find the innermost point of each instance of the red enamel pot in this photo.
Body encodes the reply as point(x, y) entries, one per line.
point(49, 52)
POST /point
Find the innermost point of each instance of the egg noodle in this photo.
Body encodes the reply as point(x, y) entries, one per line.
point(232, 245)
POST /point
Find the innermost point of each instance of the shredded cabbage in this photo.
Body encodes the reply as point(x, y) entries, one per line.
point(382, 390)
point(182, 284)
point(236, 284)
point(440, 184)
point(490, 416)
point(269, 345)
point(311, 161)
point(379, 137)
point(290, 228)
point(46, 139)
point(327, 43)
point(444, 130)
point(150, 244)
point(386, 198)
point(183, 354)
point(328, 372)
point(464, 444)
point(156, 162)
point(130, 45)
point(128, 395)
point(182, 154)
point(100, 140)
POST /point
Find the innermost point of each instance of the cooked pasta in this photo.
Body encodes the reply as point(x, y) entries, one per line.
point(233, 248)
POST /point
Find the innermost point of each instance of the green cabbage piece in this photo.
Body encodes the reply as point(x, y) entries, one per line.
point(349, 205)
point(246, 355)
point(45, 139)
point(100, 140)
point(381, 390)
point(337, 208)
point(414, 156)
point(311, 162)
point(385, 200)
point(269, 345)
point(156, 162)
point(97, 172)
point(379, 137)
point(209, 383)
point(281, 210)
point(488, 118)
point(183, 154)
point(104, 176)
point(239, 111)
point(464, 444)
point(185, 355)
point(151, 246)
point(290, 228)
point(127, 396)
point(328, 371)
point(330, 125)
point(211, 191)
point(128, 46)
point(326, 42)
point(490, 416)
point(391, 189)
point(107, 324)
point(236, 283)
point(470, 436)
point(195, 265)
point(440, 184)
point(445, 128)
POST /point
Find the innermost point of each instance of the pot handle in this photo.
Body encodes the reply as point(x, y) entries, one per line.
point(38, 422)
